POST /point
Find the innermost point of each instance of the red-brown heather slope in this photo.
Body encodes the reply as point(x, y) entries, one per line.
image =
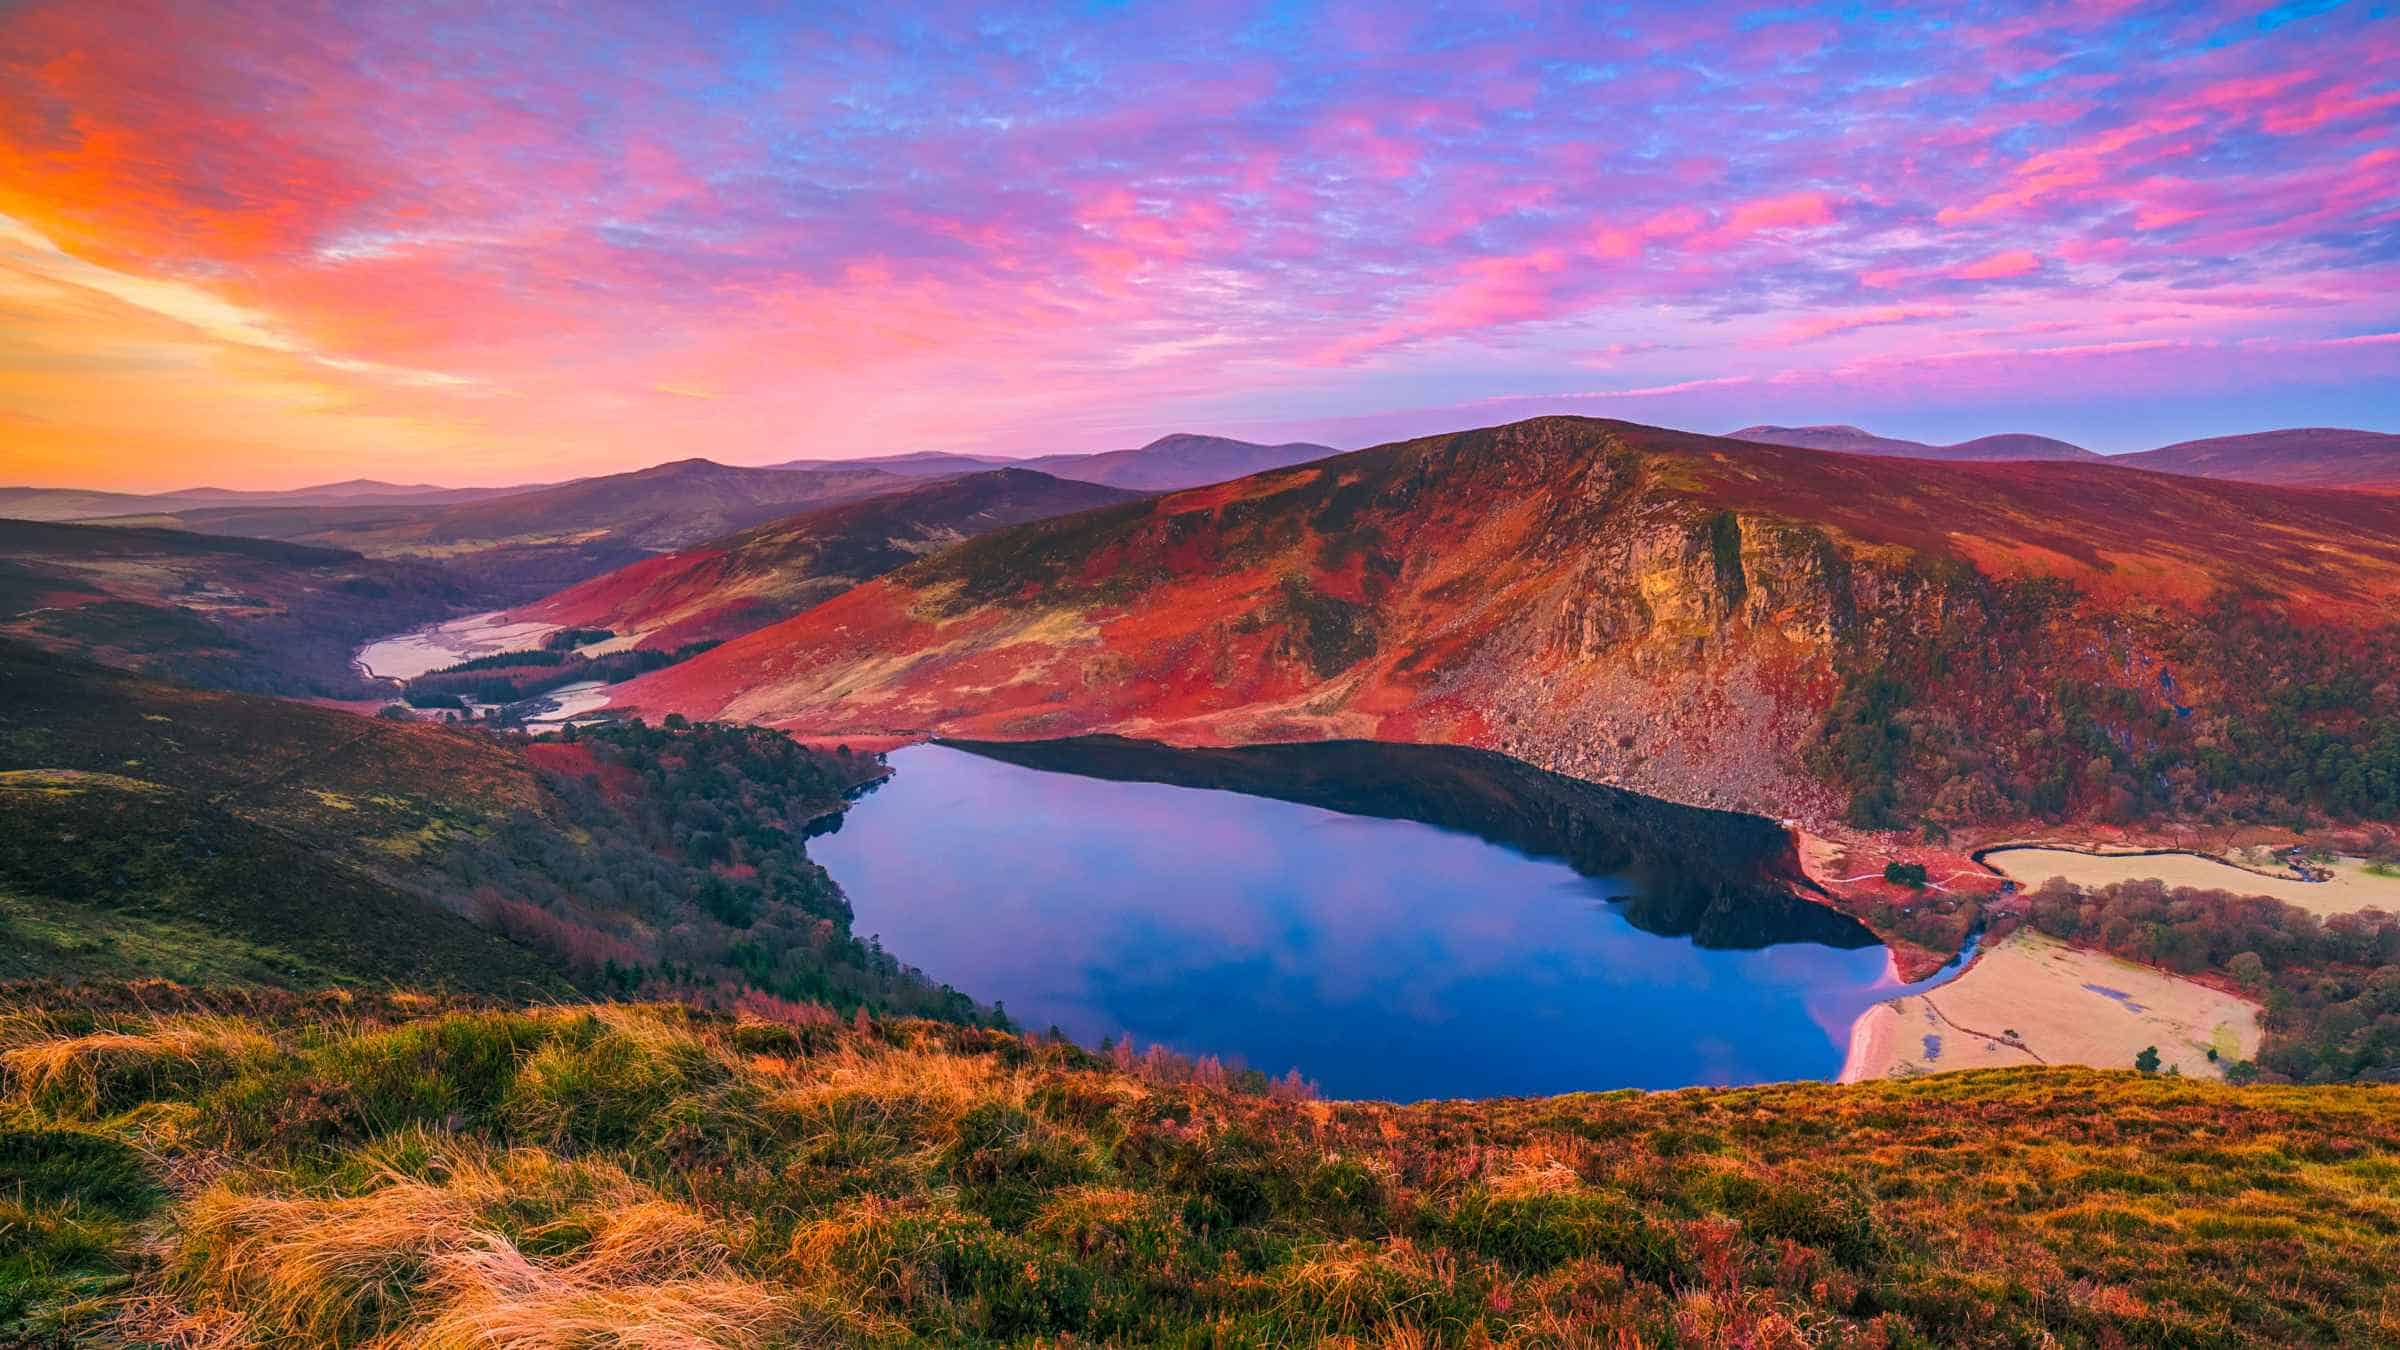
point(773, 571)
point(1675, 612)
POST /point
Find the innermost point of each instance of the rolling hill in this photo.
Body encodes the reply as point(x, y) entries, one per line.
point(522, 546)
point(1720, 622)
point(773, 571)
point(209, 610)
point(1854, 441)
point(2298, 457)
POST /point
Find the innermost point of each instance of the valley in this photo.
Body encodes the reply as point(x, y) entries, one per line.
point(1571, 768)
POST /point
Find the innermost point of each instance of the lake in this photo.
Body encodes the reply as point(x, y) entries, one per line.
point(1396, 922)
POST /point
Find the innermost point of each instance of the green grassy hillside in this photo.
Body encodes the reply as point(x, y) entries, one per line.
point(213, 838)
point(288, 1170)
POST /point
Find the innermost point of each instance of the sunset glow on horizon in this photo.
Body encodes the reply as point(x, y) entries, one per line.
point(248, 246)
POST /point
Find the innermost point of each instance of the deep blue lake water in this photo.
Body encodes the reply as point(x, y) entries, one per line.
point(1383, 958)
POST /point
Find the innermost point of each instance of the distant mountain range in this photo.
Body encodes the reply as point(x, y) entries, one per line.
point(770, 572)
point(1164, 465)
point(2299, 457)
point(1855, 441)
point(1722, 622)
point(31, 503)
point(2294, 457)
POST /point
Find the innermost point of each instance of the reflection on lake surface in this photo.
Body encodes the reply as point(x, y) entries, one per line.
point(1397, 922)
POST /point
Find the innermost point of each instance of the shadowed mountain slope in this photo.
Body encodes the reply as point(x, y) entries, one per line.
point(773, 571)
point(1721, 622)
point(211, 610)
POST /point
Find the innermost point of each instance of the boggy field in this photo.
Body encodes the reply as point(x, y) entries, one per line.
point(355, 1169)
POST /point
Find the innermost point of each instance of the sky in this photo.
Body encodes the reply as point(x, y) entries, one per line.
point(263, 245)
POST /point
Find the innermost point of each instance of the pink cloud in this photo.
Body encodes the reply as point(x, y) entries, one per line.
point(2014, 263)
point(1808, 330)
point(1788, 211)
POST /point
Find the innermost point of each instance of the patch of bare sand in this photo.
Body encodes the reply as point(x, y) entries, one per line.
point(2031, 999)
point(2352, 888)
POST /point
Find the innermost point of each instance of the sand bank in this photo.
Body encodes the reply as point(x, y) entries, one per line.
point(570, 701)
point(405, 656)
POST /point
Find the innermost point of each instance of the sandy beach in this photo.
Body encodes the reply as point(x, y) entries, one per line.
point(2034, 1000)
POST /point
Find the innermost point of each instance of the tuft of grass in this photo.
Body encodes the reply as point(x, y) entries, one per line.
point(449, 1244)
point(69, 1203)
point(104, 1072)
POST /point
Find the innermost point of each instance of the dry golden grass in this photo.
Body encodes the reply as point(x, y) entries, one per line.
point(499, 1302)
point(1375, 1289)
point(105, 1070)
point(918, 1082)
point(428, 1259)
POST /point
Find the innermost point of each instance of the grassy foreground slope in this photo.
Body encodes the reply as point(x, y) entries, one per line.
point(289, 1170)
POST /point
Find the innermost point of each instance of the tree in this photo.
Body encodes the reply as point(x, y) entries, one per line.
point(2147, 1061)
point(2247, 968)
point(1905, 874)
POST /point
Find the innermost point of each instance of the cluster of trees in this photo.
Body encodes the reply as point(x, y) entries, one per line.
point(2014, 705)
point(568, 639)
point(677, 864)
point(2331, 986)
point(512, 677)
